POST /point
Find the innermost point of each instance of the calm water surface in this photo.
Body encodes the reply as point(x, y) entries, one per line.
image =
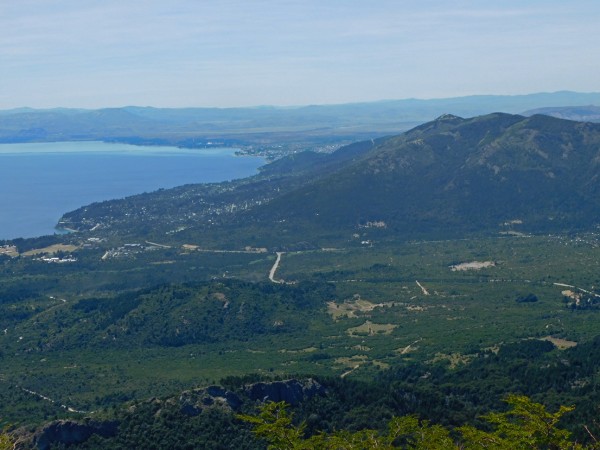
point(40, 182)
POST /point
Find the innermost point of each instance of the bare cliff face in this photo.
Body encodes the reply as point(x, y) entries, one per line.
point(66, 432)
point(195, 401)
point(290, 391)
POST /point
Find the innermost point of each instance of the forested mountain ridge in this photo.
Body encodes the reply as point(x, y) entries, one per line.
point(198, 127)
point(460, 175)
point(451, 176)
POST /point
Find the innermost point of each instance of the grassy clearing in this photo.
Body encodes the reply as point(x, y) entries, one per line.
point(370, 329)
point(353, 308)
point(52, 249)
point(561, 344)
point(473, 265)
point(9, 250)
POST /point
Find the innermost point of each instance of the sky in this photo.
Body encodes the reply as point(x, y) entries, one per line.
point(226, 53)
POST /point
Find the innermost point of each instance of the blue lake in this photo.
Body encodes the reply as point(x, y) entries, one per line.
point(40, 182)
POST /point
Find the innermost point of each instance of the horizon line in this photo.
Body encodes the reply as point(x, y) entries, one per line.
point(308, 105)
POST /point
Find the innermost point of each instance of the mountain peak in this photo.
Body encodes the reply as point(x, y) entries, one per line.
point(446, 117)
point(455, 175)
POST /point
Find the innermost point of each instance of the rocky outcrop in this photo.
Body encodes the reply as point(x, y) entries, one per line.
point(68, 432)
point(193, 402)
point(289, 391)
point(63, 433)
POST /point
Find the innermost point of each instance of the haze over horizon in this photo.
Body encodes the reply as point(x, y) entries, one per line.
point(95, 54)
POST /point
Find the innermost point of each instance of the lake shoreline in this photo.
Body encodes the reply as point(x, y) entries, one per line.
point(44, 181)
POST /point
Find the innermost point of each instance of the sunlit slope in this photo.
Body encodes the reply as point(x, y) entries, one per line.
point(457, 175)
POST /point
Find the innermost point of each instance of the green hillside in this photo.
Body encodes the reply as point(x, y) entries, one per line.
point(433, 272)
point(454, 176)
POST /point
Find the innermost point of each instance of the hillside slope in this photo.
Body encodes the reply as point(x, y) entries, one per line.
point(457, 175)
point(449, 177)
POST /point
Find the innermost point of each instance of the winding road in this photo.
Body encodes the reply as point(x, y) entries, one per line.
point(274, 269)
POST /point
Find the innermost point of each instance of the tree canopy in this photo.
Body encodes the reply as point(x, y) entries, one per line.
point(525, 425)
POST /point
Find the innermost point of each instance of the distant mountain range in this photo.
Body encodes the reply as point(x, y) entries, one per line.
point(588, 113)
point(448, 177)
point(198, 127)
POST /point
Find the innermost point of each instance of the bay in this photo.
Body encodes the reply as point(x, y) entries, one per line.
point(39, 182)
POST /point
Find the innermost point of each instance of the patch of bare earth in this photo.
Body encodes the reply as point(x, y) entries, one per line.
point(302, 350)
point(371, 329)
point(52, 249)
point(9, 250)
point(353, 308)
point(561, 344)
point(473, 265)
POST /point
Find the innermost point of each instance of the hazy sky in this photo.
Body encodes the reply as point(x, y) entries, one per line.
point(172, 53)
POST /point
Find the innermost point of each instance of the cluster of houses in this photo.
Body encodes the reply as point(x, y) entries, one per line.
point(57, 260)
